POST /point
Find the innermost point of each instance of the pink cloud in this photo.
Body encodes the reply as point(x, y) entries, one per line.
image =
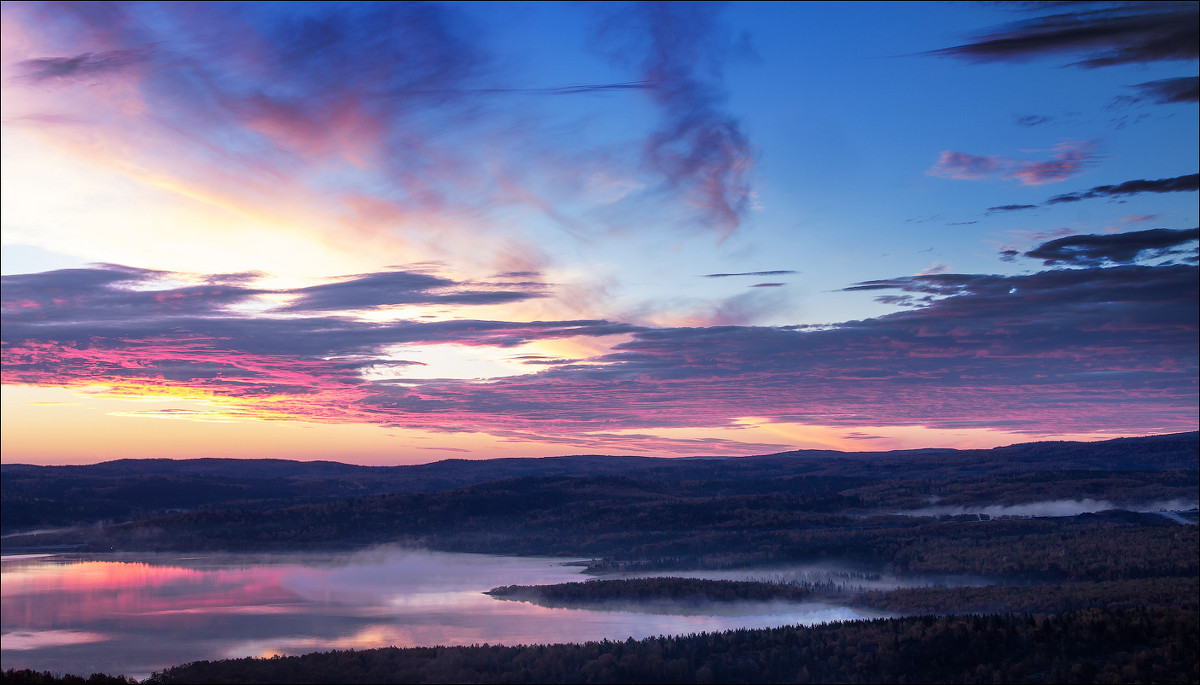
point(963, 166)
point(1139, 218)
point(1070, 159)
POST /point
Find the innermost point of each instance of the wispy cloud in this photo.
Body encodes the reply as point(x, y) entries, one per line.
point(1069, 159)
point(1031, 120)
point(778, 272)
point(1105, 34)
point(1163, 91)
point(388, 121)
point(699, 149)
point(1011, 208)
point(84, 66)
point(1179, 184)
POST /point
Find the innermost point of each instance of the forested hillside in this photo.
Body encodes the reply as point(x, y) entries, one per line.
point(1126, 472)
point(1094, 646)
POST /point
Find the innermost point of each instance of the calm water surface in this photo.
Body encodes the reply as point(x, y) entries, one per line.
point(133, 615)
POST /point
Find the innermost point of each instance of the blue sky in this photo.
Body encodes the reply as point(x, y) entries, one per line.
point(661, 202)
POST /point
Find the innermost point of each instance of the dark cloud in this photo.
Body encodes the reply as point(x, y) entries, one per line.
point(1106, 35)
point(767, 285)
point(83, 66)
point(1119, 248)
point(111, 293)
point(395, 288)
point(1164, 91)
point(1179, 184)
point(594, 88)
point(1030, 120)
point(1010, 208)
point(577, 89)
point(699, 149)
point(114, 304)
point(778, 272)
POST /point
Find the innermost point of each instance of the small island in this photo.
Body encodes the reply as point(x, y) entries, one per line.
point(598, 592)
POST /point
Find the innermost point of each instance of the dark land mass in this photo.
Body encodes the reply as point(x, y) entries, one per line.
point(1091, 646)
point(1125, 471)
point(661, 514)
point(1101, 596)
point(917, 601)
point(599, 592)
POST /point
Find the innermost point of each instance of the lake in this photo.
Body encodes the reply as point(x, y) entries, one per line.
point(136, 614)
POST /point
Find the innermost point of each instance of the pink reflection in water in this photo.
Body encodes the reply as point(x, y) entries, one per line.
point(132, 617)
point(51, 593)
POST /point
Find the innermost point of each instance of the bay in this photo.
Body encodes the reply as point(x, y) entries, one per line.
point(136, 614)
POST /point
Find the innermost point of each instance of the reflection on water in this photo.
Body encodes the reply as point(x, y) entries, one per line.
point(139, 614)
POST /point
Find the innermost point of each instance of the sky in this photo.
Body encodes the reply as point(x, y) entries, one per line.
point(396, 233)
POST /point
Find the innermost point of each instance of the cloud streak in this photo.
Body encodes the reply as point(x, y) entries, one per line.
point(397, 288)
point(84, 66)
point(1170, 90)
point(778, 272)
point(1178, 184)
point(1069, 159)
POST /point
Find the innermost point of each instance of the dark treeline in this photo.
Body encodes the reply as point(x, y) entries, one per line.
point(25, 676)
point(1118, 487)
point(1155, 644)
point(989, 599)
point(1035, 599)
point(1132, 645)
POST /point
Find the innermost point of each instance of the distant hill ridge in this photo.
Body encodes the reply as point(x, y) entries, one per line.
point(41, 497)
point(759, 508)
point(1029, 452)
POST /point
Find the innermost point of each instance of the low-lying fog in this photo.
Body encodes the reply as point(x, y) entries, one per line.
point(831, 575)
point(145, 612)
point(1058, 507)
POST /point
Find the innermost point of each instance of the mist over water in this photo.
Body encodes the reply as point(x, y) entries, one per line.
point(1058, 507)
point(136, 614)
point(831, 575)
